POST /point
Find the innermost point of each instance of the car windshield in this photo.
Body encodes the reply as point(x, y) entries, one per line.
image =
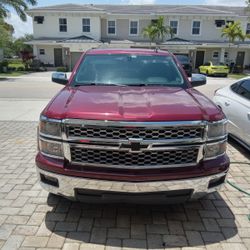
point(183, 59)
point(128, 69)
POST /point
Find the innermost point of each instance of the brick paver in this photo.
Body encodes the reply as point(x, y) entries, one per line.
point(32, 219)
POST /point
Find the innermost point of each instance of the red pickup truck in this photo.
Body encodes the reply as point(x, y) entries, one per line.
point(129, 127)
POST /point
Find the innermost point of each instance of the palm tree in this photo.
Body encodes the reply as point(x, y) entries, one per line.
point(161, 29)
point(20, 6)
point(157, 30)
point(233, 31)
point(150, 32)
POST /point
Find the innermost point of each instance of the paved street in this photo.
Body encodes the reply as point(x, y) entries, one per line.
point(32, 219)
point(23, 98)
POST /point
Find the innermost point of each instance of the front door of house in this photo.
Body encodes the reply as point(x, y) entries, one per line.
point(199, 58)
point(58, 57)
point(240, 58)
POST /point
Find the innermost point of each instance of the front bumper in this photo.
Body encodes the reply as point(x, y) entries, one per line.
point(219, 72)
point(97, 190)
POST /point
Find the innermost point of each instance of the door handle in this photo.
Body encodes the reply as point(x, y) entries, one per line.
point(248, 115)
point(227, 103)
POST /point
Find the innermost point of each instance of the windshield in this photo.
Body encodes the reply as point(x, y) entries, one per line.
point(127, 69)
point(183, 59)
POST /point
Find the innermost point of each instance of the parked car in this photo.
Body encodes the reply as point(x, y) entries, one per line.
point(129, 127)
point(216, 70)
point(234, 100)
point(186, 63)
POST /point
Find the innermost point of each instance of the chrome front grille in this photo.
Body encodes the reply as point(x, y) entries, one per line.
point(122, 133)
point(133, 145)
point(168, 158)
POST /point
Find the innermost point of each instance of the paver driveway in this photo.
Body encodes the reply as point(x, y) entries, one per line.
point(32, 219)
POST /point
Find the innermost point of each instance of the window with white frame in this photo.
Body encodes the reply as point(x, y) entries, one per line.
point(196, 28)
point(86, 24)
point(226, 55)
point(42, 51)
point(133, 27)
point(111, 27)
point(215, 55)
point(174, 26)
point(63, 24)
point(248, 29)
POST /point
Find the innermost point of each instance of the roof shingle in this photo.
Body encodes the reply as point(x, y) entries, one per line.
point(147, 9)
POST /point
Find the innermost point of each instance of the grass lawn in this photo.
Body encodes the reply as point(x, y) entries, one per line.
point(13, 73)
point(237, 76)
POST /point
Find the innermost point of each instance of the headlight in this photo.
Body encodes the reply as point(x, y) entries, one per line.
point(50, 127)
point(217, 129)
point(215, 149)
point(51, 148)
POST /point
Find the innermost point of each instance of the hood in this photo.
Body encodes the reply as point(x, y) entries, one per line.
point(132, 104)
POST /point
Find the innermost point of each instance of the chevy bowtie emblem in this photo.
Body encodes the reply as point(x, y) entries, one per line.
point(134, 145)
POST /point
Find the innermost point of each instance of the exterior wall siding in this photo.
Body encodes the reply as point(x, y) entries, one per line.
point(98, 30)
point(208, 29)
point(48, 57)
point(74, 26)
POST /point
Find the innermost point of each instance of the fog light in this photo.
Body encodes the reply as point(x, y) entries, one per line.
point(49, 180)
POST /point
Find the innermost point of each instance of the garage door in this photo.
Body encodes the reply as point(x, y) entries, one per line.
point(74, 58)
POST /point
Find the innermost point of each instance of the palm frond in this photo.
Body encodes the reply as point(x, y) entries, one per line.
point(20, 7)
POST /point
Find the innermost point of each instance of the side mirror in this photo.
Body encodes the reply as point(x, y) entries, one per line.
point(60, 77)
point(198, 80)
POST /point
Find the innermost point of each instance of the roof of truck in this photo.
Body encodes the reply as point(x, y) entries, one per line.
point(127, 51)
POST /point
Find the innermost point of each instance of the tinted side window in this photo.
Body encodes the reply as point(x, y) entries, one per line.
point(235, 87)
point(207, 64)
point(244, 89)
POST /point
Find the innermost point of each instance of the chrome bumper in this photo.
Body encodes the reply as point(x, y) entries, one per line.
point(68, 184)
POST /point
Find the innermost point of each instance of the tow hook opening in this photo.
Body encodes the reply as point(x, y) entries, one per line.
point(49, 180)
point(216, 182)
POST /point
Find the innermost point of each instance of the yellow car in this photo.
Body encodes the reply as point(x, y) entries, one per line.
point(209, 69)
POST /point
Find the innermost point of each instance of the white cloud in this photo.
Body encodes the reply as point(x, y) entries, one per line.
point(138, 2)
point(21, 28)
point(226, 3)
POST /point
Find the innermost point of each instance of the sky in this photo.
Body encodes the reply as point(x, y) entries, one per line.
point(22, 28)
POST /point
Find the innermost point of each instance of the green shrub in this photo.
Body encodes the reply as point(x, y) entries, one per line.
point(10, 68)
point(15, 61)
point(21, 68)
point(61, 69)
point(5, 63)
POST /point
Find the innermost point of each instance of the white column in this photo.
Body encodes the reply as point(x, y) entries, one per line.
point(35, 52)
point(222, 53)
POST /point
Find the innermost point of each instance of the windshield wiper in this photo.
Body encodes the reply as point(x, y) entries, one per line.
point(100, 84)
point(148, 84)
point(85, 84)
point(120, 85)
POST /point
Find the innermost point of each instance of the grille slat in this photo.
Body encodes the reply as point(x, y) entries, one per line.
point(132, 133)
point(144, 158)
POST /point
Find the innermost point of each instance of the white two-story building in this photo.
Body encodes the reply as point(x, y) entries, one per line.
point(63, 32)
